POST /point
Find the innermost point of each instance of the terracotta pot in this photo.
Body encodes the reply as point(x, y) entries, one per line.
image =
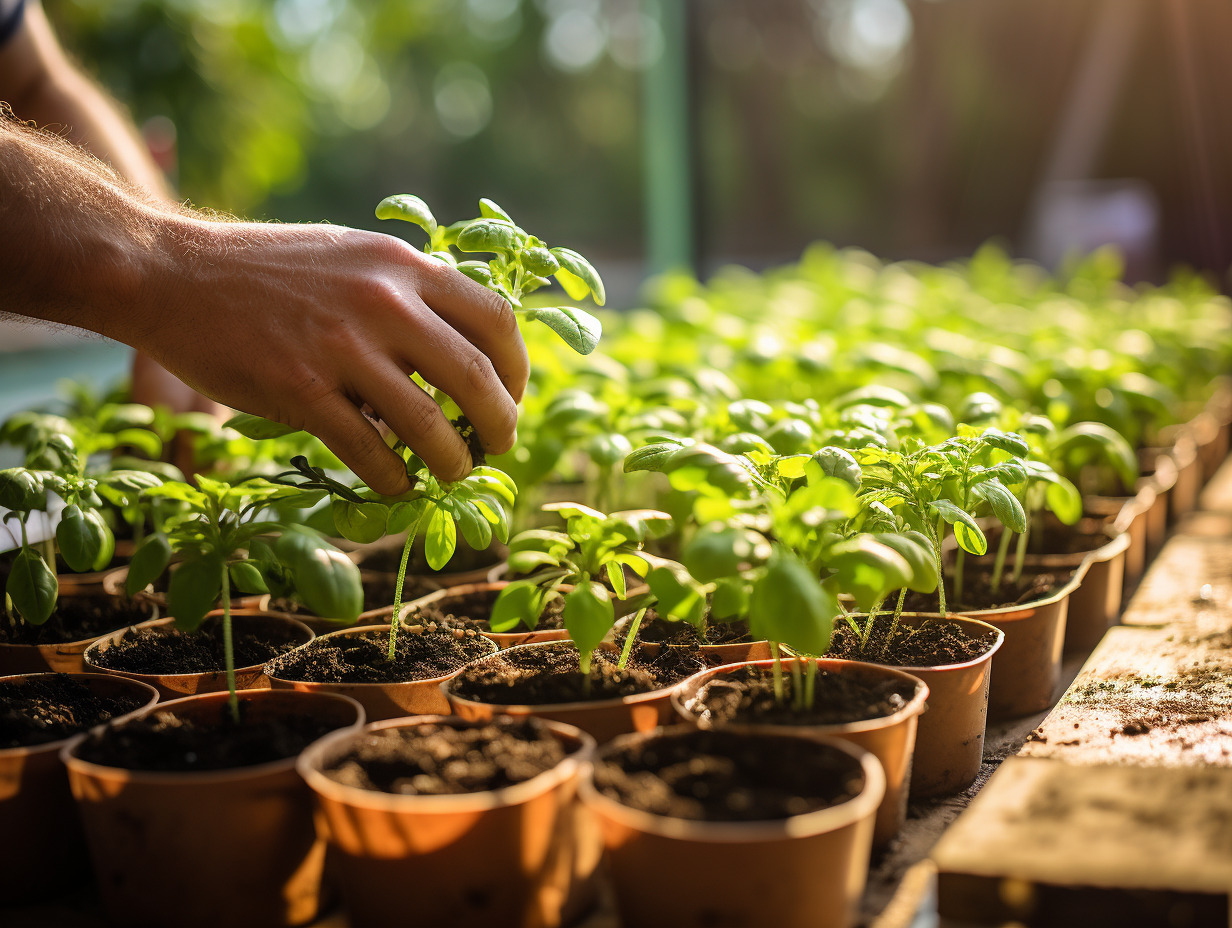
point(201, 849)
point(733, 653)
point(92, 581)
point(890, 739)
point(1095, 606)
point(1026, 672)
point(1159, 473)
point(800, 872)
point(321, 625)
point(380, 700)
point(520, 856)
point(43, 847)
point(603, 719)
point(949, 741)
point(1128, 514)
point(113, 584)
point(446, 597)
point(1210, 440)
point(634, 586)
point(61, 657)
point(176, 685)
point(1184, 497)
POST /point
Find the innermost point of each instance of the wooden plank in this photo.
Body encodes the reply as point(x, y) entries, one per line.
point(1048, 843)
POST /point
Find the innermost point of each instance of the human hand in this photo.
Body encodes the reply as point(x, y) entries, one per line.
point(305, 324)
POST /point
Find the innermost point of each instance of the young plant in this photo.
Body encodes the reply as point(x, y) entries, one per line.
point(593, 546)
point(219, 534)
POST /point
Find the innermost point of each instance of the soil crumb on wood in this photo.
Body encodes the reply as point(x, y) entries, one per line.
point(78, 618)
point(164, 740)
point(473, 611)
point(50, 709)
point(444, 760)
point(747, 695)
point(421, 654)
point(551, 674)
point(978, 592)
point(928, 644)
point(722, 776)
point(167, 650)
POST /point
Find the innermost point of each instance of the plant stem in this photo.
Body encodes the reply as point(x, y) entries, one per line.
point(1020, 555)
point(797, 685)
point(634, 626)
point(584, 667)
point(867, 631)
point(940, 570)
point(49, 552)
point(778, 673)
point(998, 565)
point(960, 560)
point(810, 684)
point(898, 611)
point(228, 650)
point(406, 554)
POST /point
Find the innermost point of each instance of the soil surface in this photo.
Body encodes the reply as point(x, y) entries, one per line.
point(721, 776)
point(378, 594)
point(747, 695)
point(168, 650)
point(386, 560)
point(551, 674)
point(656, 630)
point(364, 658)
point(929, 644)
point(78, 618)
point(473, 610)
point(978, 593)
point(164, 740)
point(1055, 538)
point(441, 760)
point(53, 708)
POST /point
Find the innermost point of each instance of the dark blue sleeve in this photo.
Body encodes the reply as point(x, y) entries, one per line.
point(10, 18)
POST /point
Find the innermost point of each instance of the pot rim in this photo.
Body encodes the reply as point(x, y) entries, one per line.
point(1118, 541)
point(113, 584)
point(516, 708)
point(1026, 610)
point(309, 763)
point(162, 623)
point(998, 640)
point(623, 623)
point(426, 681)
point(197, 778)
point(863, 805)
point(366, 617)
point(54, 645)
point(915, 706)
point(48, 747)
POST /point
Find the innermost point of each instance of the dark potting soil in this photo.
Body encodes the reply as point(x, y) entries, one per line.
point(978, 593)
point(168, 650)
point(928, 644)
point(164, 740)
point(747, 695)
point(378, 594)
point(473, 610)
point(53, 708)
point(364, 658)
point(386, 560)
point(78, 618)
point(470, 435)
point(656, 630)
point(441, 760)
point(721, 776)
point(551, 674)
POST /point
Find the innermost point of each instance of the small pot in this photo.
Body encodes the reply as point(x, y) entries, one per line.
point(176, 685)
point(736, 652)
point(1128, 514)
point(453, 594)
point(380, 700)
point(891, 739)
point(60, 657)
point(520, 856)
point(43, 844)
point(1026, 673)
point(1159, 473)
point(603, 719)
point(800, 872)
point(949, 742)
point(1210, 440)
point(113, 582)
point(1095, 606)
point(1184, 496)
point(92, 581)
point(201, 849)
point(324, 625)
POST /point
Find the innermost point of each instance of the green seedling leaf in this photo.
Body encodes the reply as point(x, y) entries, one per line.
point(362, 523)
point(839, 463)
point(578, 277)
point(1064, 500)
point(477, 271)
point(580, 330)
point(521, 602)
point(616, 577)
point(1004, 504)
point(653, 457)
point(441, 540)
point(79, 539)
point(408, 208)
point(22, 490)
point(488, 235)
point(329, 583)
point(917, 551)
point(589, 616)
point(715, 553)
point(193, 592)
point(257, 428)
point(868, 570)
point(789, 605)
point(541, 262)
point(149, 561)
point(32, 587)
point(246, 577)
point(1007, 442)
point(489, 209)
point(968, 534)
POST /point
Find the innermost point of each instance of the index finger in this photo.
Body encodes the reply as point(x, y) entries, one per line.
point(484, 317)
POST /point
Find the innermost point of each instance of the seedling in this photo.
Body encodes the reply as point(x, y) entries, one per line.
point(592, 546)
point(219, 535)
